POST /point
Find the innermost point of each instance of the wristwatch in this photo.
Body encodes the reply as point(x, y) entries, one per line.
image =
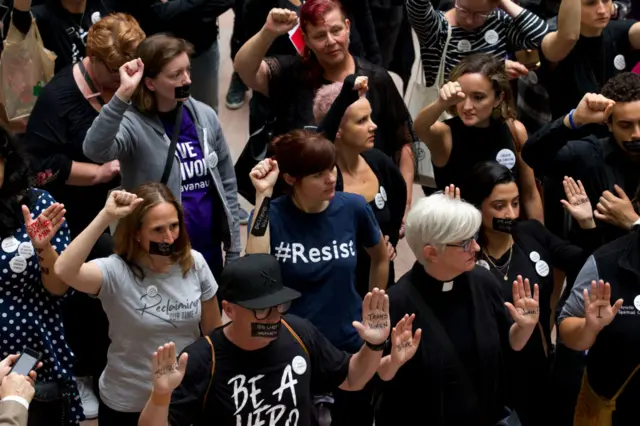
point(379, 347)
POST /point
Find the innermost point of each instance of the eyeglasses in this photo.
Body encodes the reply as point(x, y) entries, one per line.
point(477, 16)
point(466, 244)
point(108, 68)
point(262, 314)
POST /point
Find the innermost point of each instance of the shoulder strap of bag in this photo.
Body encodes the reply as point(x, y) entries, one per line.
point(441, 336)
point(443, 59)
point(295, 336)
point(514, 134)
point(213, 365)
point(626, 382)
point(86, 77)
point(172, 147)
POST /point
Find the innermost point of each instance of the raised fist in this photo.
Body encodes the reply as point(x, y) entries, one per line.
point(121, 203)
point(264, 176)
point(280, 21)
point(593, 108)
point(130, 76)
point(451, 94)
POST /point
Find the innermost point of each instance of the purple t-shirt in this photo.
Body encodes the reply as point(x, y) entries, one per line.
point(197, 198)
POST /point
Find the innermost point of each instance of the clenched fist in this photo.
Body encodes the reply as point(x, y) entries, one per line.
point(280, 21)
point(593, 108)
point(451, 94)
point(264, 176)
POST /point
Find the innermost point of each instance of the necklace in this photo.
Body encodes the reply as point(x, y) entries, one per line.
point(504, 269)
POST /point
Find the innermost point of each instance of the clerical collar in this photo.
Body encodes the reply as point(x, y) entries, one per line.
point(447, 286)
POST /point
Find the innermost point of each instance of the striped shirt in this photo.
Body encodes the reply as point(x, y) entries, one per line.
point(500, 35)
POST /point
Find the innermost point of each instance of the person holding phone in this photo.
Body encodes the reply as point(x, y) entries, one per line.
point(16, 390)
point(154, 288)
point(31, 296)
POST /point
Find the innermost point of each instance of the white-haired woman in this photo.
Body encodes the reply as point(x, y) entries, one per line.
point(460, 367)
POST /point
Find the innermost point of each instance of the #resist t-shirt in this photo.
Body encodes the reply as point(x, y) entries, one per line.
point(196, 186)
point(318, 255)
point(143, 315)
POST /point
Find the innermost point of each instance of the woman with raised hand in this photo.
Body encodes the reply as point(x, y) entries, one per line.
point(158, 132)
point(344, 114)
point(33, 232)
point(484, 128)
point(508, 248)
point(315, 232)
point(291, 81)
point(155, 287)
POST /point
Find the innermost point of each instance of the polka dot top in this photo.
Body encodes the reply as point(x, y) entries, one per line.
point(30, 315)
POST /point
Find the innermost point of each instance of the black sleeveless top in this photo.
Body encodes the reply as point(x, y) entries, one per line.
point(473, 145)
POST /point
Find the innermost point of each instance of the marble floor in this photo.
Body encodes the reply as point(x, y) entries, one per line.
point(236, 129)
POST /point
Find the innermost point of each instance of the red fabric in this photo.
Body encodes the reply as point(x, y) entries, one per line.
point(636, 69)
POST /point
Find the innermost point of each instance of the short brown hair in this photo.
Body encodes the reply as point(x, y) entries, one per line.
point(156, 52)
point(114, 39)
point(493, 69)
point(301, 153)
point(125, 237)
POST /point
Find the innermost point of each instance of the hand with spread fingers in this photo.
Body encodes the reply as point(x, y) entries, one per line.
point(525, 310)
point(616, 210)
point(598, 311)
point(168, 372)
point(404, 342)
point(45, 226)
point(374, 327)
point(577, 203)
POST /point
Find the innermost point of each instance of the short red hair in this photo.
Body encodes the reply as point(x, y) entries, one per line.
point(313, 12)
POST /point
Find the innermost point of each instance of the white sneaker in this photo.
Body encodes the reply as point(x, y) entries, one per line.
point(90, 402)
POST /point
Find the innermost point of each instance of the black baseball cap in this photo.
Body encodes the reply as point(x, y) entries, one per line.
point(254, 281)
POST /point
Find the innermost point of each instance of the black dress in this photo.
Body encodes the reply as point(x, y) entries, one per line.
point(535, 253)
point(473, 145)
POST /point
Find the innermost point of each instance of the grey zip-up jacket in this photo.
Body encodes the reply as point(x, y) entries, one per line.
point(139, 142)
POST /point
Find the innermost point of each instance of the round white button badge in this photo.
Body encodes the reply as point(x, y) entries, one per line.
point(212, 160)
point(483, 263)
point(491, 37)
point(26, 250)
point(152, 291)
point(636, 302)
point(299, 365)
point(507, 158)
point(534, 256)
point(464, 45)
point(10, 244)
point(379, 201)
point(18, 264)
point(383, 192)
point(542, 268)
point(532, 77)
point(620, 63)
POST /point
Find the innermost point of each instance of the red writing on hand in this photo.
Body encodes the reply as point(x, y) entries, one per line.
point(39, 229)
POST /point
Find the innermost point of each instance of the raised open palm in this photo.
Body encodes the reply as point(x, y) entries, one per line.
point(45, 226)
point(525, 309)
point(374, 327)
point(404, 343)
point(577, 202)
point(598, 311)
point(167, 371)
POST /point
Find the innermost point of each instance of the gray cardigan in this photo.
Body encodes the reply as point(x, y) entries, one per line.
point(139, 142)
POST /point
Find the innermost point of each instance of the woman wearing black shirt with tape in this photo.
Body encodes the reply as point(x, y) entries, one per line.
point(510, 248)
point(346, 120)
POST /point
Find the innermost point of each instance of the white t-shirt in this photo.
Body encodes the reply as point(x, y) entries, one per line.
point(144, 315)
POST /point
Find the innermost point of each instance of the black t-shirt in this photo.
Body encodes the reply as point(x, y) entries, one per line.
point(388, 207)
point(590, 64)
point(292, 90)
point(473, 145)
point(476, 322)
point(274, 384)
point(55, 133)
point(64, 33)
